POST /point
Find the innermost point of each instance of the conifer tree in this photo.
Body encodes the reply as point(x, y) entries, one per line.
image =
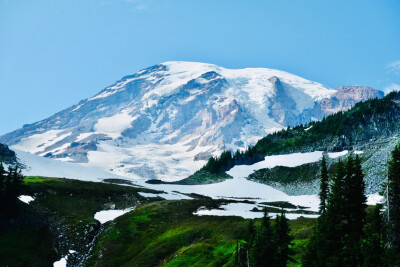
point(373, 250)
point(2, 181)
point(355, 200)
point(282, 240)
point(394, 200)
point(263, 250)
point(324, 186)
point(337, 237)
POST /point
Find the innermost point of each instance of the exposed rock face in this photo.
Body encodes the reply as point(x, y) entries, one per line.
point(165, 121)
point(348, 96)
point(7, 156)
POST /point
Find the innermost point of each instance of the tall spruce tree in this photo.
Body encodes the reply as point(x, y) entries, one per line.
point(354, 219)
point(372, 249)
point(394, 200)
point(2, 181)
point(282, 240)
point(324, 186)
point(263, 252)
point(337, 237)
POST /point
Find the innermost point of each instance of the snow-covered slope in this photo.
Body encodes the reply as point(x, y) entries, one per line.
point(165, 121)
point(39, 166)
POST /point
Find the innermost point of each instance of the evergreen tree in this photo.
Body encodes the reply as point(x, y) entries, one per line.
point(282, 240)
point(324, 186)
point(325, 245)
point(315, 253)
point(355, 200)
point(2, 181)
point(394, 200)
point(251, 233)
point(246, 248)
point(372, 249)
point(263, 253)
point(10, 189)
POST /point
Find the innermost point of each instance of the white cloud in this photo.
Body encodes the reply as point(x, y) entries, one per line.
point(391, 87)
point(394, 66)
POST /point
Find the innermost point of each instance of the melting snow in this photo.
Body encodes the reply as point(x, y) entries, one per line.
point(241, 189)
point(287, 160)
point(26, 199)
point(61, 263)
point(244, 210)
point(167, 196)
point(373, 199)
point(334, 155)
point(109, 215)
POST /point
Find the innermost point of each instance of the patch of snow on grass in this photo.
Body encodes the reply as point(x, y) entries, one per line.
point(109, 215)
point(26, 199)
point(61, 263)
point(244, 210)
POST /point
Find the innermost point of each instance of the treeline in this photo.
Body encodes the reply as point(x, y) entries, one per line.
point(339, 131)
point(10, 188)
point(267, 245)
point(228, 159)
point(345, 234)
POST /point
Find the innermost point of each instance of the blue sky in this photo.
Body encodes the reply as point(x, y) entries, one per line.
point(54, 53)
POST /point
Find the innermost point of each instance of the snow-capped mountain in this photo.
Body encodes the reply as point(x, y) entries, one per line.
point(165, 121)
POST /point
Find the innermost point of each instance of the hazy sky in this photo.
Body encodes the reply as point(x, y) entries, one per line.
point(54, 53)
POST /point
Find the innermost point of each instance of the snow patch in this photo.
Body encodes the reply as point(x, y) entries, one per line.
point(109, 215)
point(39, 142)
point(374, 199)
point(244, 210)
point(61, 263)
point(334, 155)
point(287, 160)
point(83, 136)
point(39, 166)
point(26, 199)
point(167, 196)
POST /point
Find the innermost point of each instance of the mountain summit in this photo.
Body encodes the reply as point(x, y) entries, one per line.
point(165, 121)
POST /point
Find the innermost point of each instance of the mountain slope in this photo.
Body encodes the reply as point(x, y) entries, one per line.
point(371, 129)
point(165, 121)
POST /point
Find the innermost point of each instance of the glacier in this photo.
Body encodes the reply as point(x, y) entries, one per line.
point(165, 121)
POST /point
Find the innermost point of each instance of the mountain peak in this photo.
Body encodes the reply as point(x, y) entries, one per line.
point(164, 121)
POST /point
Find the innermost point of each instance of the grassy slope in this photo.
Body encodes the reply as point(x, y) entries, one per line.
point(162, 233)
point(27, 242)
point(66, 204)
point(166, 233)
